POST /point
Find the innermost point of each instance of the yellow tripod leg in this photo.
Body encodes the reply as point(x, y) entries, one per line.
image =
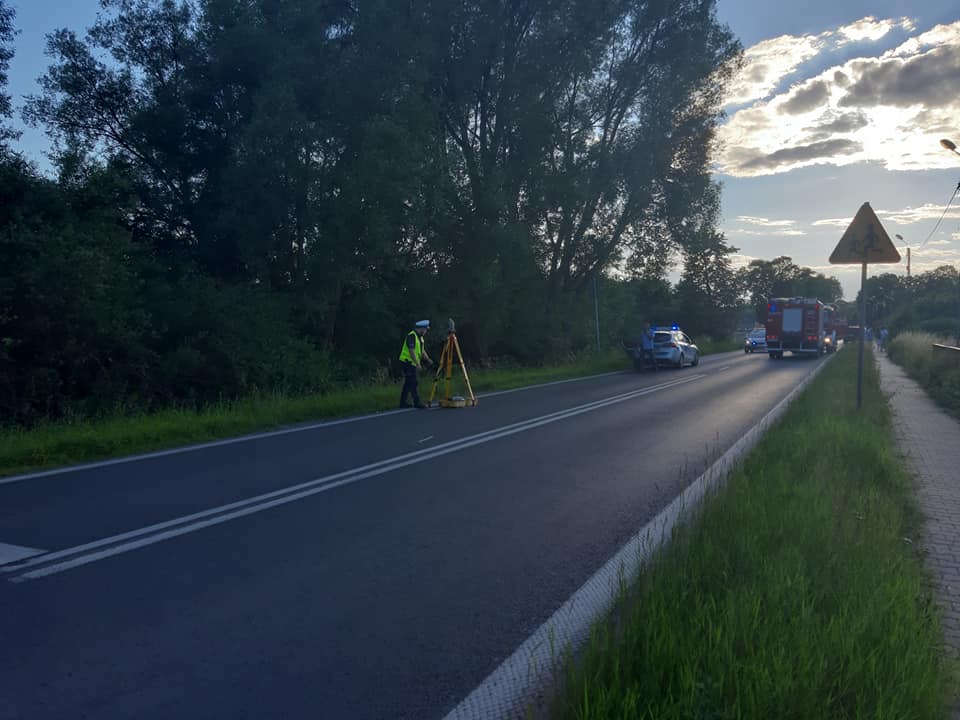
point(463, 368)
point(436, 378)
point(450, 340)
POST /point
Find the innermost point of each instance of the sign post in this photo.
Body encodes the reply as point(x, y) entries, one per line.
point(864, 242)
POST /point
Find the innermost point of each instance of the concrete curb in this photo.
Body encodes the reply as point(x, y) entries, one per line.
point(522, 682)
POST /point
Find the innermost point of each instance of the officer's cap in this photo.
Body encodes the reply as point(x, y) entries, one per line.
point(423, 324)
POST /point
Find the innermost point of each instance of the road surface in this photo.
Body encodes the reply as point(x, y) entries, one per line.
point(379, 568)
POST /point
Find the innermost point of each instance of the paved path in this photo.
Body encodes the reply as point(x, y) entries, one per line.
point(929, 438)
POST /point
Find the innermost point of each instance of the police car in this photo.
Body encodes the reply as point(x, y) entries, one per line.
point(756, 341)
point(672, 346)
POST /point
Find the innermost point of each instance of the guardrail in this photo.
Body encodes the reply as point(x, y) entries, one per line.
point(938, 346)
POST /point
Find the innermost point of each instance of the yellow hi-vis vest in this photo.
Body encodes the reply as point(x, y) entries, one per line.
point(405, 355)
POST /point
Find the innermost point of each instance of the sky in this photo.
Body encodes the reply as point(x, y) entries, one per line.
point(840, 102)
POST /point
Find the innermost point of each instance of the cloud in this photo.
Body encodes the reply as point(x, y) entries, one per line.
point(751, 220)
point(771, 62)
point(935, 254)
point(823, 150)
point(767, 62)
point(806, 98)
point(940, 242)
point(924, 213)
point(871, 29)
point(766, 233)
point(738, 260)
point(927, 80)
point(905, 216)
point(885, 106)
point(842, 123)
point(832, 222)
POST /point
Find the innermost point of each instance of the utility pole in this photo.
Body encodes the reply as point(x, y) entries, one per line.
point(596, 311)
point(900, 238)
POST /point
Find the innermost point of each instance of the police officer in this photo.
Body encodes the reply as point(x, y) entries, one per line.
point(646, 341)
point(412, 355)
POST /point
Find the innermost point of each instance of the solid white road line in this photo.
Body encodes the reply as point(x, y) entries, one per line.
point(134, 539)
point(268, 434)
point(13, 553)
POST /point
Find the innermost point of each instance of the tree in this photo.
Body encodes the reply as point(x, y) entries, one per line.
point(709, 290)
point(7, 34)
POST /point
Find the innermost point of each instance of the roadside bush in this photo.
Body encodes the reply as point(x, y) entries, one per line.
point(938, 371)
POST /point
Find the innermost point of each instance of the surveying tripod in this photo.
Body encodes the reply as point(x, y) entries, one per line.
point(445, 370)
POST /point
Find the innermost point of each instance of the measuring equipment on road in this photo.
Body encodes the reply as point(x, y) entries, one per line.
point(445, 371)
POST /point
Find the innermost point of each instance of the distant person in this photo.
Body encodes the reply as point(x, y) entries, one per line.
point(884, 334)
point(412, 355)
point(647, 344)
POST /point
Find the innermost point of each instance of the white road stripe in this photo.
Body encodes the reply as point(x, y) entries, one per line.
point(13, 553)
point(267, 434)
point(428, 437)
point(125, 542)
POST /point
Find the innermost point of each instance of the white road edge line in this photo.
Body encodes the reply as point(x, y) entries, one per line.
point(268, 434)
point(522, 682)
point(134, 539)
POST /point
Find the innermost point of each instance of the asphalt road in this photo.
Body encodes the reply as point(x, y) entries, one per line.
point(416, 552)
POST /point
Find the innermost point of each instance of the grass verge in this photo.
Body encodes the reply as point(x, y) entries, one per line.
point(937, 371)
point(61, 444)
point(797, 592)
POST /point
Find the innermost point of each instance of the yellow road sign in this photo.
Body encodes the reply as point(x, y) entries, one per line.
point(865, 241)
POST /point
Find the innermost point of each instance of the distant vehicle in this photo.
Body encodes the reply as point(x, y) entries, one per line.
point(796, 325)
point(672, 346)
point(756, 341)
point(835, 329)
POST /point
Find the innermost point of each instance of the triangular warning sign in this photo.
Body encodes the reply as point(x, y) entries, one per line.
point(865, 241)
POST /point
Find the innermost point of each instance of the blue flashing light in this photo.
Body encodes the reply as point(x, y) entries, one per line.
point(674, 327)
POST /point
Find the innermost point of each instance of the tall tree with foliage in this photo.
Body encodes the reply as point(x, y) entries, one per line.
point(294, 181)
point(7, 33)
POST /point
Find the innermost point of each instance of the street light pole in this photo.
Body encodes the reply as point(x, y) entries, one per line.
point(900, 238)
point(952, 147)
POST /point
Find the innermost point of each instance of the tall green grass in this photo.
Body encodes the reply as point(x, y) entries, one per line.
point(797, 592)
point(937, 371)
point(60, 444)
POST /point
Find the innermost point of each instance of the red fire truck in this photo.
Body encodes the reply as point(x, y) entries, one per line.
point(796, 325)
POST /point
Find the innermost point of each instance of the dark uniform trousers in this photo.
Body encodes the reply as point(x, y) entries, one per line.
point(410, 382)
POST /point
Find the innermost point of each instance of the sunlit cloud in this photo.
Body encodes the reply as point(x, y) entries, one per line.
point(738, 260)
point(871, 29)
point(932, 252)
point(906, 216)
point(832, 222)
point(766, 233)
point(890, 107)
point(768, 62)
point(765, 222)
